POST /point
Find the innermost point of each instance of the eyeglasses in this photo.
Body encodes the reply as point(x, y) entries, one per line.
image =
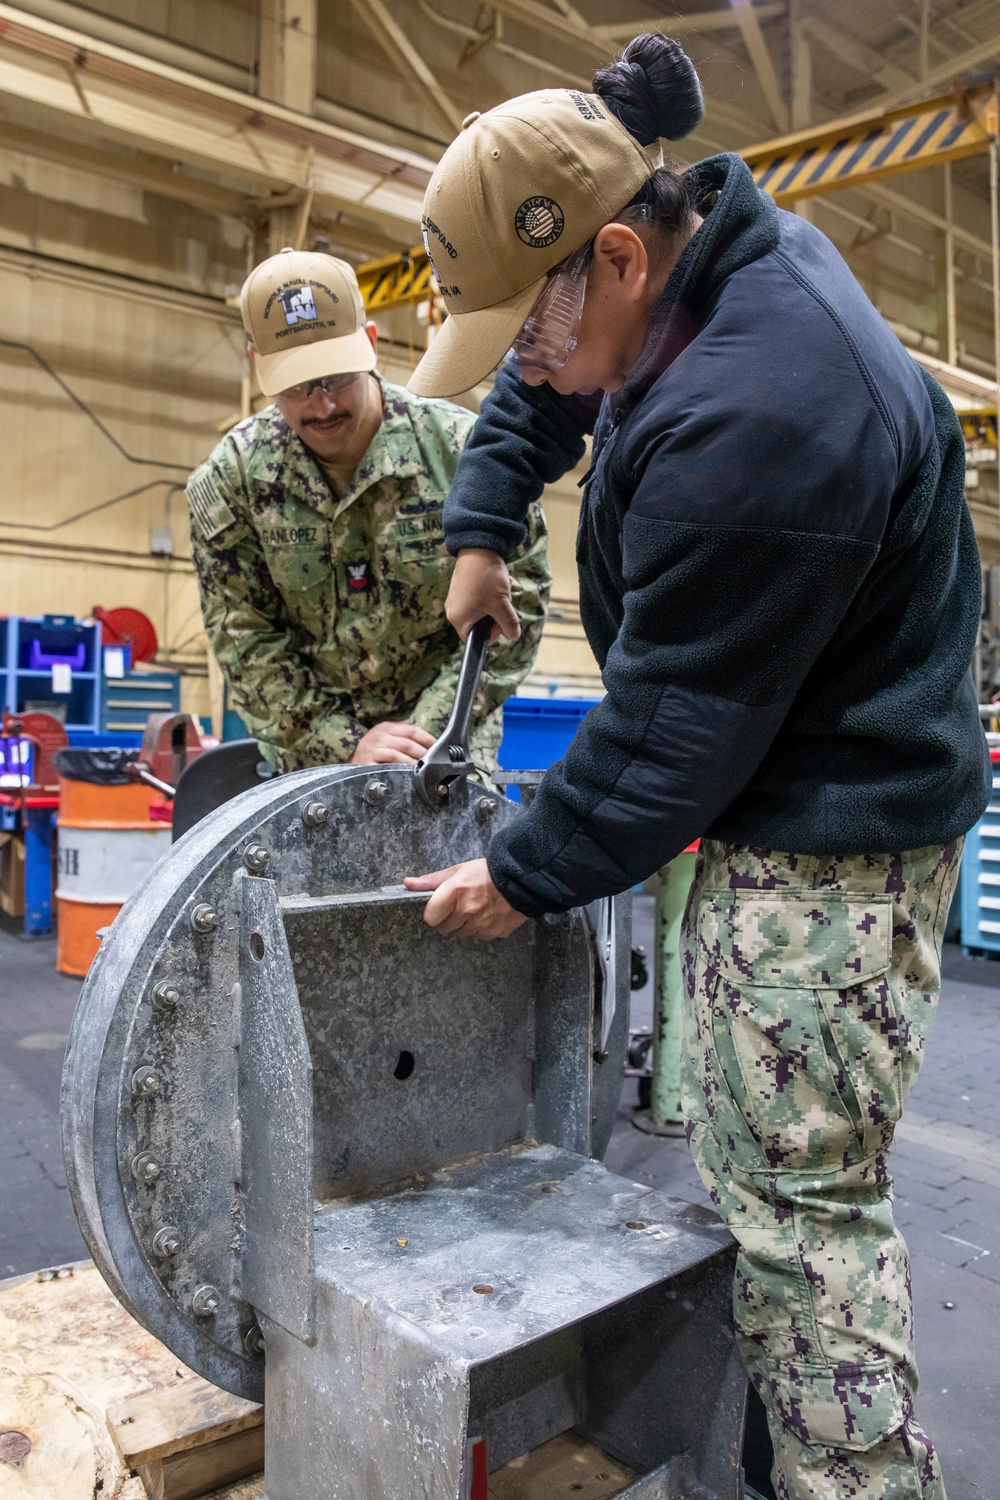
point(331, 385)
point(550, 331)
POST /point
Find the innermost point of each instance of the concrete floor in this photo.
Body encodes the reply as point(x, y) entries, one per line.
point(947, 1171)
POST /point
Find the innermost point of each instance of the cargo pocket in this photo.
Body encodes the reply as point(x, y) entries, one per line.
point(772, 969)
point(851, 1407)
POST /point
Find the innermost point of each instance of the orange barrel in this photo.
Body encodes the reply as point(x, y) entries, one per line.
point(108, 840)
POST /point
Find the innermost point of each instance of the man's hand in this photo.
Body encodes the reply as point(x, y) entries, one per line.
point(391, 745)
point(466, 902)
point(480, 585)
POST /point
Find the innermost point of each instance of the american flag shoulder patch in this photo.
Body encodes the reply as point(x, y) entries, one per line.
point(208, 506)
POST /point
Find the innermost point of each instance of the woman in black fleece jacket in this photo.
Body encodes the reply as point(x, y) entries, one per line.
point(779, 578)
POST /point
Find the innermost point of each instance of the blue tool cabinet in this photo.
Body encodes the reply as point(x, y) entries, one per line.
point(981, 877)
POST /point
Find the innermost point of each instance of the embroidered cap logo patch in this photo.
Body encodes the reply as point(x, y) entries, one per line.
point(539, 222)
point(299, 305)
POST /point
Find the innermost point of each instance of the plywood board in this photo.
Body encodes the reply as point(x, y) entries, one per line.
point(565, 1466)
point(68, 1352)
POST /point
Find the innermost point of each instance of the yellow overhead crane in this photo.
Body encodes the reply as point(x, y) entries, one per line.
point(842, 153)
point(847, 153)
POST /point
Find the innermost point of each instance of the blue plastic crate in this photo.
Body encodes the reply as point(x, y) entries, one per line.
point(537, 731)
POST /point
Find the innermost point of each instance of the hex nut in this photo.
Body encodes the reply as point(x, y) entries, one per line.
point(145, 1081)
point(377, 792)
point(145, 1167)
point(204, 918)
point(166, 996)
point(253, 1340)
point(167, 1241)
point(256, 858)
point(486, 808)
point(315, 814)
point(205, 1301)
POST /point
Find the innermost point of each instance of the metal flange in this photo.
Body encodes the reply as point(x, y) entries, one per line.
point(151, 1104)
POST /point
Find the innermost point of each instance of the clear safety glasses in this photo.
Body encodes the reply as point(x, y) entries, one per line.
point(550, 331)
point(332, 386)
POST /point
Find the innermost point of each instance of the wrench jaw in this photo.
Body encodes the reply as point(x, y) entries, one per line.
point(448, 760)
point(440, 771)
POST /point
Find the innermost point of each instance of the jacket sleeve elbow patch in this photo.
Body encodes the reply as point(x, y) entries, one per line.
point(208, 506)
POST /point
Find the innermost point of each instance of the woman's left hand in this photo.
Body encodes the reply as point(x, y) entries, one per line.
point(465, 902)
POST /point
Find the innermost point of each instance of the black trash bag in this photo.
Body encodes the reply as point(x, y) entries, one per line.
point(102, 767)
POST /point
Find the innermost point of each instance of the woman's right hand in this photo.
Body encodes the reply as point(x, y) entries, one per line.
point(480, 585)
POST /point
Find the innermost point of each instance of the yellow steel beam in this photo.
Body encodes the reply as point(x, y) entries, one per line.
point(396, 279)
point(979, 428)
point(847, 153)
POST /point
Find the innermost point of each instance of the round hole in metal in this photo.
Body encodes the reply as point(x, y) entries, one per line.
point(257, 945)
point(405, 1065)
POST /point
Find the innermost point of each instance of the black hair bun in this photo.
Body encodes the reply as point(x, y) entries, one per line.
point(653, 89)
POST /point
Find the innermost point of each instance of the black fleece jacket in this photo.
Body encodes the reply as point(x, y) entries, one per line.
point(778, 573)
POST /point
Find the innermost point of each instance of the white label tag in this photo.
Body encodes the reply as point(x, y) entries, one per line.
point(62, 677)
point(114, 661)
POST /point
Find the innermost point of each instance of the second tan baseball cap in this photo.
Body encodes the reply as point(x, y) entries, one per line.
point(304, 313)
point(520, 189)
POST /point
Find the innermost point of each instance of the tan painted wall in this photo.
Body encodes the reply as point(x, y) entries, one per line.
point(160, 369)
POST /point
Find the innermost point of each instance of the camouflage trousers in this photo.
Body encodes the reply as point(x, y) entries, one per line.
point(812, 983)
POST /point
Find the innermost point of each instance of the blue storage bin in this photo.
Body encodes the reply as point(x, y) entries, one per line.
point(981, 878)
point(40, 661)
point(537, 731)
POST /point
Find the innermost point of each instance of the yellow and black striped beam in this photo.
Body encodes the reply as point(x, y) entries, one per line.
point(844, 153)
point(395, 280)
point(863, 149)
point(979, 428)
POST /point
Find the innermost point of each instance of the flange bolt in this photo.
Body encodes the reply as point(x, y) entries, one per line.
point(377, 792)
point(166, 996)
point(145, 1081)
point(145, 1167)
point(486, 808)
point(256, 858)
point(315, 814)
point(167, 1241)
point(253, 1340)
point(205, 1301)
point(204, 918)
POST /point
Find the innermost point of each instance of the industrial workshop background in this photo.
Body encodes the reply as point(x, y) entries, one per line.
point(151, 150)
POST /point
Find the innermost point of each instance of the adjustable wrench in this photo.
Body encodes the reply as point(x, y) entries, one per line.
point(448, 761)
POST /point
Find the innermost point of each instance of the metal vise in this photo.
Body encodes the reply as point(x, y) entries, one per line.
point(297, 1120)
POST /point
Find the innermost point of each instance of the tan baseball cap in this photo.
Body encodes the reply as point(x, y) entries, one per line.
point(305, 316)
point(515, 193)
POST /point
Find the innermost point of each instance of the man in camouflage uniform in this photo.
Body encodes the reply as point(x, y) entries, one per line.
point(316, 531)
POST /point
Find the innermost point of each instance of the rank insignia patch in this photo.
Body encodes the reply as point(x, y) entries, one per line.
point(357, 577)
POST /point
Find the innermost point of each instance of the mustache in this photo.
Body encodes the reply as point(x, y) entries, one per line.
point(335, 416)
